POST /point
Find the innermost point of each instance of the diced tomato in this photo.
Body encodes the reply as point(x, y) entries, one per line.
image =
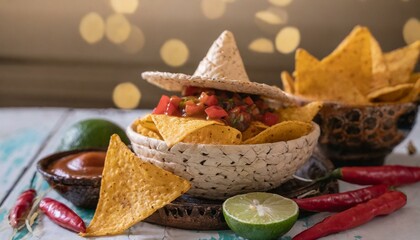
point(248, 100)
point(203, 97)
point(192, 109)
point(211, 100)
point(172, 110)
point(190, 91)
point(270, 119)
point(175, 100)
point(215, 112)
point(162, 105)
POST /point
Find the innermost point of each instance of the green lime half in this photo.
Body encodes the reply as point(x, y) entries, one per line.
point(260, 215)
point(91, 133)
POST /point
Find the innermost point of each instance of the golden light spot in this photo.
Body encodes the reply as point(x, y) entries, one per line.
point(262, 45)
point(287, 40)
point(126, 95)
point(118, 28)
point(269, 17)
point(213, 9)
point(174, 52)
point(92, 28)
point(135, 42)
point(280, 2)
point(124, 6)
point(411, 30)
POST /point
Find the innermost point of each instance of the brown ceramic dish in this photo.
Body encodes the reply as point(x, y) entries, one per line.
point(82, 192)
point(363, 135)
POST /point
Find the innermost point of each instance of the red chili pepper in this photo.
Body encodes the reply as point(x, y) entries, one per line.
point(355, 216)
point(341, 201)
point(21, 209)
point(62, 215)
point(394, 175)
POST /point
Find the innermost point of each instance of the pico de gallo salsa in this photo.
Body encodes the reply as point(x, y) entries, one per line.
point(237, 110)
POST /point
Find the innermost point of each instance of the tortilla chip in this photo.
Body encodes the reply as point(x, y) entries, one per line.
point(283, 131)
point(174, 129)
point(318, 81)
point(391, 93)
point(131, 190)
point(254, 128)
point(380, 74)
point(303, 114)
point(414, 95)
point(288, 82)
point(147, 132)
point(353, 60)
point(147, 122)
point(214, 134)
point(414, 77)
point(401, 62)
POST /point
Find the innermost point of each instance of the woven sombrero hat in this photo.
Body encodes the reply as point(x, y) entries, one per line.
point(222, 68)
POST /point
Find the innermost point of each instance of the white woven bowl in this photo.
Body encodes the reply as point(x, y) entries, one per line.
point(221, 171)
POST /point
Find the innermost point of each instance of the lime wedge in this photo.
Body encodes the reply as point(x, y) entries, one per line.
point(260, 215)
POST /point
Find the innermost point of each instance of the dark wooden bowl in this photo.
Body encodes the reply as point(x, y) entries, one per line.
point(82, 192)
point(363, 135)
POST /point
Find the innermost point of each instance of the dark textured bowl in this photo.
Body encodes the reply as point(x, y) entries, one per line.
point(363, 135)
point(82, 192)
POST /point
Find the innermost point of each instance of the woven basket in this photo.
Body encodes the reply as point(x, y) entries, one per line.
point(221, 171)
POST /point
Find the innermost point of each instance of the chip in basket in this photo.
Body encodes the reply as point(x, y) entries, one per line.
point(254, 128)
point(131, 190)
point(305, 113)
point(175, 129)
point(214, 134)
point(283, 131)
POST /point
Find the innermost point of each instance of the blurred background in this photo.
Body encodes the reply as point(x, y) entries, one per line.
point(91, 53)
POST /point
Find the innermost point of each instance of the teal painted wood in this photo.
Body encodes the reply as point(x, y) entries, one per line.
point(23, 132)
point(400, 225)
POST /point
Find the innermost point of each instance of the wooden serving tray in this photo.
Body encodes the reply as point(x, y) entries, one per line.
point(193, 213)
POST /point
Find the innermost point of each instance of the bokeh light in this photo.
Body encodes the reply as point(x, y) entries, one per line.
point(269, 17)
point(213, 9)
point(280, 2)
point(174, 52)
point(92, 28)
point(262, 45)
point(135, 42)
point(124, 6)
point(118, 28)
point(126, 95)
point(287, 40)
point(411, 30)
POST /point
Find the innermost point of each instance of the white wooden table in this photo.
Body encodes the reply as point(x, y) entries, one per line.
point(28, 134)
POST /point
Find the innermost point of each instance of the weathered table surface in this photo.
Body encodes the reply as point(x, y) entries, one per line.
point(28, 134)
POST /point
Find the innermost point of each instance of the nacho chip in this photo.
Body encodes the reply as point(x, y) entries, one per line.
point(353, 59)
point(414, 95)
point(414, 77)
point(318, 81)
point(283, 131)
point(401, 62)
point(214, 134)
point(391, 93)
point(174, 129)
point(303, 114)
point(254, 128)
point(380, 74)
point(147, 132)
point(147, 122)
point(288, 82)
point(131, 190)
